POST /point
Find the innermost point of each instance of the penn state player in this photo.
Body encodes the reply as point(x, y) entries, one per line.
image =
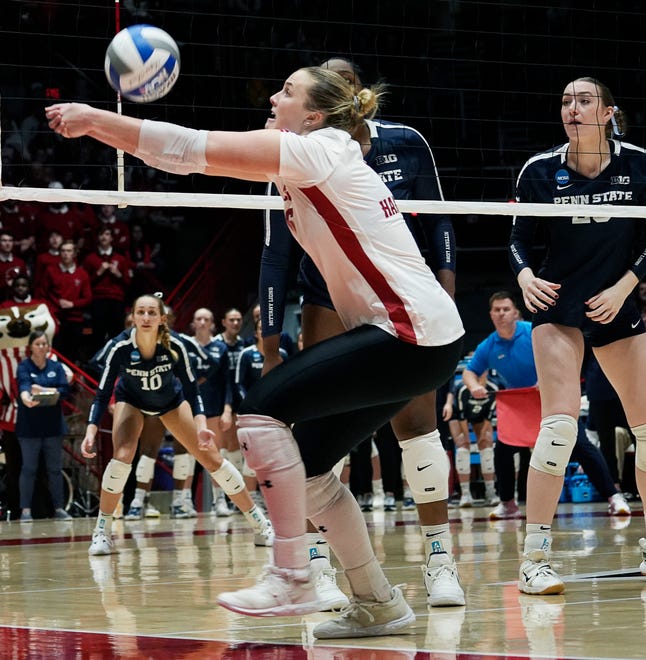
point(582, 288)
point(228, 439)
point(405, 163)
point(154, 378)
point(217, 389)
point(309, 411)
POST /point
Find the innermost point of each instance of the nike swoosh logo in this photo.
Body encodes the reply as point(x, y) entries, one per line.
point(635, 324)
point(559, 444)
point(423, 467)
point(543, 528)
point(563, 187)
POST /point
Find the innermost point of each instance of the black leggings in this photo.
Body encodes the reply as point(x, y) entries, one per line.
point(339, 391)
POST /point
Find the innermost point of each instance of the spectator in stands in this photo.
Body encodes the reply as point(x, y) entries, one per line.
point(60, 216)
point(51, 256)
point(40, 425)
point(109, 273)
point(145, 262)
point(66, 288)
point(19, 219)
point(107, 216)
point(10, 264)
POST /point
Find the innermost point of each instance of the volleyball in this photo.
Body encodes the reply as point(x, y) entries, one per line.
point(142, 63)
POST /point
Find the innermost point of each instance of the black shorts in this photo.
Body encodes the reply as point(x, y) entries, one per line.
point(627, 323)
point(313, 285)
point(157, 412)
point(339, 391)
point(475, 410)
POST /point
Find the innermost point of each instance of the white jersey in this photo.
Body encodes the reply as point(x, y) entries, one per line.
point(346, 219)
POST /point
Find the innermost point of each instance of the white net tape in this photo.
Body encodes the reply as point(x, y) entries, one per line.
point(206, 200)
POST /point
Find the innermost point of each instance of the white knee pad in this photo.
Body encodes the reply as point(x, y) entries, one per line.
point(463, 460)
point(554, 444)
point(640, 446)
point(267, 444)
point(115, 476)
point(486, 460)
point(191, 465)
point(426, 467)
point(228, 478)
point(145, 470)
point(181, 466)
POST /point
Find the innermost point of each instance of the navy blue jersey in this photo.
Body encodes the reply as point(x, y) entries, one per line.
point(404, 161)
point(153, 386)
point(216, 389)
point(249, 370)
point(584, 254)
point(233, 354)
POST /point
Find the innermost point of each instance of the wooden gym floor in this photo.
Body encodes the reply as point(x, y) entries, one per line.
point(156, 597)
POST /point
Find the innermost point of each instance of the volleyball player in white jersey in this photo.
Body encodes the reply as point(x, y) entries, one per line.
point(405, 163)
point(582, 290)
point(403, 338)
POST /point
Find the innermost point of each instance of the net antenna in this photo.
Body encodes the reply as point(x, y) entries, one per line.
point(120, 167)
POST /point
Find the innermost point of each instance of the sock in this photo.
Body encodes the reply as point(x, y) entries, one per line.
point(437, 539)
point(490, 489)
point(187, 494)
point(103, 523)
point(465, 487)
point(138, 499)
point(178, 497)
point(317, 546)
point(538, 537)
point(255, 517)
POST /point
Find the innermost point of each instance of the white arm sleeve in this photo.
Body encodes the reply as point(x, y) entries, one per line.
point(172, 148)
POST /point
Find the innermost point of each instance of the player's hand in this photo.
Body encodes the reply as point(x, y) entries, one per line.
point(69, 119)
point(226, 420)
point(537, 293)
point(447, 412)
point(205, 439)
point(87, 446)
point(605, 305)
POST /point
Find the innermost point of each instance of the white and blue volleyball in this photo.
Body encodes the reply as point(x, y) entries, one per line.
point(142, 63)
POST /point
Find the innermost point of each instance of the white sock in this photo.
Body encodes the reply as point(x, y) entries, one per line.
point(437, 539)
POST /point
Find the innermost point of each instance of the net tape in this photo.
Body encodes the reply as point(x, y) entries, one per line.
point(261, 202)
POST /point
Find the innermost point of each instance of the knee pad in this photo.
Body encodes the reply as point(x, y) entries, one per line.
point(554, 444)
point(191, 465)
point(181, 466)
point(640, 446)
point(267, 444)
point(486, 460)
point(115, 476)
point(321, 492)
point(426, 467)
point(228, 478)
point(145, 470)
point(463, 460)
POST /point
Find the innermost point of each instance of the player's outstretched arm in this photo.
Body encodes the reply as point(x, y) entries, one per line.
point(249, 155)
